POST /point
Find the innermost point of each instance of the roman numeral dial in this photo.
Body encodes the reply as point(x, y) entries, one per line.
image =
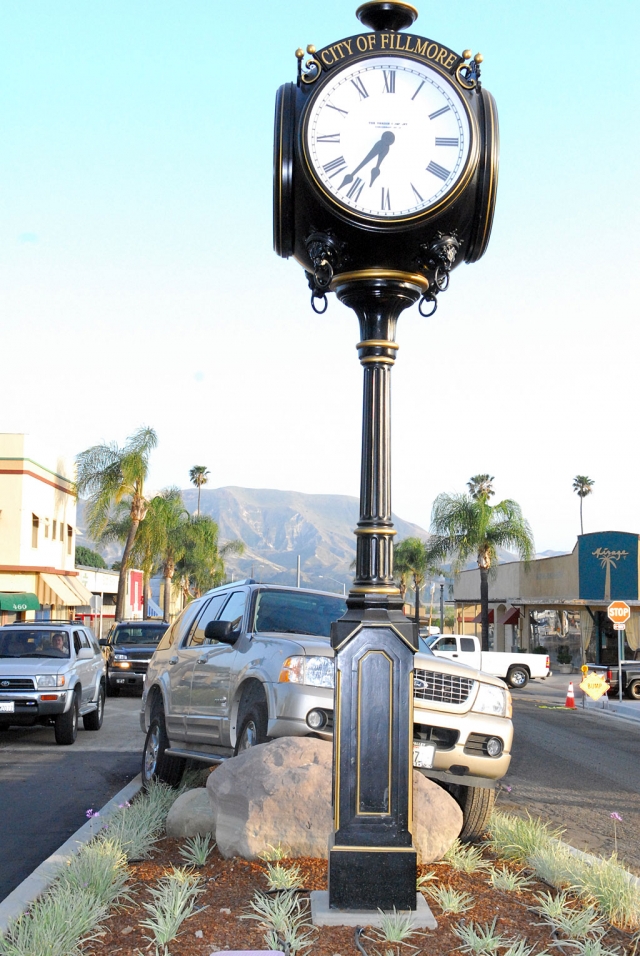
point(388, 138)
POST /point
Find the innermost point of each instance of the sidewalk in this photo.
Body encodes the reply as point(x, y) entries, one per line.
point(552, 692)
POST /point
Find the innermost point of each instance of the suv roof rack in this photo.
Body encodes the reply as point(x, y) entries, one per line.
point(44, 623)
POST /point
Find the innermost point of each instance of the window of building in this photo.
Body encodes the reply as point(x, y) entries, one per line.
point(35, 524)
point(46, 527)
point(69, 538)
point(54, 529)
point(61, 531)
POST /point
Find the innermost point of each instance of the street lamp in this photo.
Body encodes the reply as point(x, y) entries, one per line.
point(441, 581)
point(344, 587)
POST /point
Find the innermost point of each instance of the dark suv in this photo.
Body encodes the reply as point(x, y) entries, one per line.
point(128, 648)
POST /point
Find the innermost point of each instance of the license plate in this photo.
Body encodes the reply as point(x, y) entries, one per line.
point(7, 707)
point(423, 755)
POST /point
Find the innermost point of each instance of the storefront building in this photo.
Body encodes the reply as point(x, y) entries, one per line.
point(560, 602)
point(38, 577)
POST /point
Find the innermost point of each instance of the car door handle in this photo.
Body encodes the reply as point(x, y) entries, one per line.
point(204, 659)
point(172, 660)
point(454, 655)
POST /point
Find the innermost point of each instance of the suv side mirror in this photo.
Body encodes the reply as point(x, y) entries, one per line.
point(85, 654)
point(221, 631)
point(103, 642)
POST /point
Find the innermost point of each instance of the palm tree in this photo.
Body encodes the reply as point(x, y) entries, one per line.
point(199, 476)
point(412, 557)
point(582, 486)
point(161, 540)
point(201, 564)
point(466, 526)
point(481, 486)
point(110, 475)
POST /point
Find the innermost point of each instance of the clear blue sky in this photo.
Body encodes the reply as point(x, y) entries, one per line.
point(139, 284)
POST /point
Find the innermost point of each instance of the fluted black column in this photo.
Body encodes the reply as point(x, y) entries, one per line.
point(372, 862)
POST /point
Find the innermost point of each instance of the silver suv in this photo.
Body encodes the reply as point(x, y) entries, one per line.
point(247, 662)
point(51, 674)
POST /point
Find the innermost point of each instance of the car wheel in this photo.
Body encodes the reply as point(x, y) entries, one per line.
point(156, 763)
point(66, 725)
point(518, 677)
point(93, 721)
point(253, 727)
point(633, 690)
point(477, 805)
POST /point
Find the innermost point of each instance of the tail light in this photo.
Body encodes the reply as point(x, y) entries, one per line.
point(548, 665)
point(609, 675)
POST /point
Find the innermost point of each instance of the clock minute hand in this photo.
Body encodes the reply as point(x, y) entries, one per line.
point(380, 149)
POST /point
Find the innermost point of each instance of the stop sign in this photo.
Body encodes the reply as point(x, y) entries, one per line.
point(619, 612)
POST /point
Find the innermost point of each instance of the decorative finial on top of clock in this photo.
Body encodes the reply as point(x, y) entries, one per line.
point(387, 14)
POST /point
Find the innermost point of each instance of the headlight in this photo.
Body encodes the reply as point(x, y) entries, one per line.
point(50, 680)
point(491, 700)
point(315, 671)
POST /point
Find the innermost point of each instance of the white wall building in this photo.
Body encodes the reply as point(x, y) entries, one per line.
point(37, 534)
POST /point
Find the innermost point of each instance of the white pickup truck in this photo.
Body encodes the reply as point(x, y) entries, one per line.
point(516, 669)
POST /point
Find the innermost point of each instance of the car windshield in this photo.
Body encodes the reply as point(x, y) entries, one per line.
point(297, 612)
point(139, 635)
point(42, 642)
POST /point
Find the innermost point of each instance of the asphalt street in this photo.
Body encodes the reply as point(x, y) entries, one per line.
point(45, 790)
point(575, 768)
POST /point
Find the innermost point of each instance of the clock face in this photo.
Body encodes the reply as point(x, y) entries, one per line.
point(389, 138)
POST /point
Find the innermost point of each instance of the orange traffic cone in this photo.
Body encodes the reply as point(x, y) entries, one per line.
point(570, 701)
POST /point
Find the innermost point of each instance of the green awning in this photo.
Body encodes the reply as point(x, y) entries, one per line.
point(18, 602)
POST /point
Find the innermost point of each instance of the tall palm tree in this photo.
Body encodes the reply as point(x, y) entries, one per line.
point(109, 475)
point(412, 557)
point(199, 476)
point(582, 486)
point(201, 565)
point(466, 526)
point(481, 486)
point(161, 540)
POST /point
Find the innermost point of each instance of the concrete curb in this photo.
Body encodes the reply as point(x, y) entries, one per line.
point(44, 875)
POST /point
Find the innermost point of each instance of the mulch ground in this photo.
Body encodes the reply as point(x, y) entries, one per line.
point(230, 885)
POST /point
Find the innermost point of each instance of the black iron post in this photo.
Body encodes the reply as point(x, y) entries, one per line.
point(372, 862)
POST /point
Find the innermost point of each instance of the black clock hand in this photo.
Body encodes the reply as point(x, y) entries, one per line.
point(380, 150)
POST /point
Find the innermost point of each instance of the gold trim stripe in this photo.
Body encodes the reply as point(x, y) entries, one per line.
point(374, 849)
point(336, 745)
point(413, 278)
point(377, 344)
point(374, 813)
point(388, 531)
point(379, 359)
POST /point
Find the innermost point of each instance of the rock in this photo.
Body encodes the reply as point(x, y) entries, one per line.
point(280, 792)
point(437, 819)
point(191, 815)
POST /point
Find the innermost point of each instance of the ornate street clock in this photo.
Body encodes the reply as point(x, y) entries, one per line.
point(386, 155)
point(385, 173)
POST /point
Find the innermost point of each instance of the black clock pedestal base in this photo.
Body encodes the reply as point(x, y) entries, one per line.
point(372, 879)
point(372, 862)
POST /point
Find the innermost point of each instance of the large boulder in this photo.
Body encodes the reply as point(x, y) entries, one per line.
point(280, 792)
point(437, 819)
point(191, 815)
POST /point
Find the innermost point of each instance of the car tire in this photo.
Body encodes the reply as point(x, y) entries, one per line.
point(633, 690)
point(253, 727)
point(156, 763)
point(66, 725)
point(93, 721)
point(517, 677)
point(477, 805)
